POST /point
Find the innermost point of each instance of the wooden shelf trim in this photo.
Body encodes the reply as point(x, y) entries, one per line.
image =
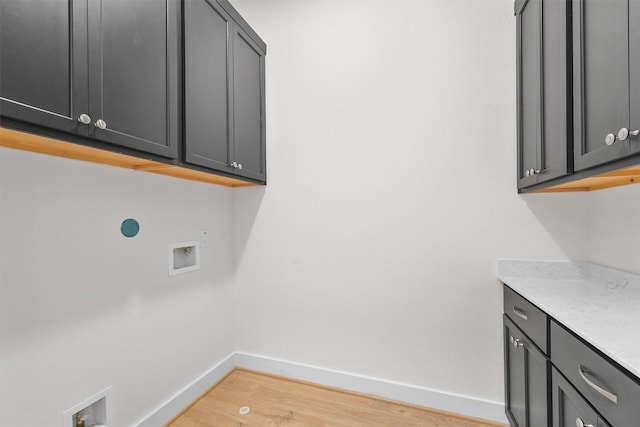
point(38, 144)
point(616, 178)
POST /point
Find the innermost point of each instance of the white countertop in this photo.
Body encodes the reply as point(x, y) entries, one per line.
point(599, 304)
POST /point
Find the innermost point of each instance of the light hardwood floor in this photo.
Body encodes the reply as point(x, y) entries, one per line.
point(277, 401)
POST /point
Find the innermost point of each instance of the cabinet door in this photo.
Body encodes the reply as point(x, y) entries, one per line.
point(600, 80)
point(634, 72)
point(528, 42)
point(248, 95)
point(569, 407)
point(556, 145)
point(543, 131)
point(207, 99)
point(526, 380)
point(133, 74)
point(43, 71)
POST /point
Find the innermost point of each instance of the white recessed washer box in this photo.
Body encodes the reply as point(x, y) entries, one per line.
point(93, 411)
point(184, 257)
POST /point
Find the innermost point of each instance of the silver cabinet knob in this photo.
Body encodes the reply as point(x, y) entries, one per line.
point(239, 165)
point(84, 119)
point(100, 124)
point(624, 133)
point(516, 342)
point(580, 423)
point(610, 139)
point(234, 165)
point(527, 172)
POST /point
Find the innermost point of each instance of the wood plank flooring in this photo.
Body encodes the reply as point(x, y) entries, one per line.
point(276, 401)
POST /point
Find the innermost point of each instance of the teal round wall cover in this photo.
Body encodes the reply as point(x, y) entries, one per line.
point(129, 227)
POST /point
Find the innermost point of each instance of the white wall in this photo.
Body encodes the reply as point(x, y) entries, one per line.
point(614, 228)
point(391, 152)
point(391, 194)
point(83, 308)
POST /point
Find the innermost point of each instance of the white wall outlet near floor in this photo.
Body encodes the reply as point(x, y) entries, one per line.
point(93, 411)
point(184, 257)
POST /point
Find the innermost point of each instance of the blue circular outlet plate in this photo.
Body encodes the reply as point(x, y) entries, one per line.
point(129, 227)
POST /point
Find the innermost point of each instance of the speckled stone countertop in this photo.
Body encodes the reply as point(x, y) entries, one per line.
point(599, 304)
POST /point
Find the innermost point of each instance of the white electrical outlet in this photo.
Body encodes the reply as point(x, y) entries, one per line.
point(204, 238)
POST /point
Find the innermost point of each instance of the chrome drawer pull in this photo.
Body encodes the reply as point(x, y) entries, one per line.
point(521, 314)
point(580, 423)
point(612, 397)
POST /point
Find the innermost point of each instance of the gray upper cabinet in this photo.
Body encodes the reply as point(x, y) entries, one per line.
point(542, 96)
point(224, 91)
point(634, 72)
point(207, 69)
point(248, 106)
point(43, 69)
point(528, 90)
point(601, 80)
point(133, 74)
point(104, 69)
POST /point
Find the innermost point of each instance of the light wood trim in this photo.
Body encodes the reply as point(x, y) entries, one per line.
point(616, 178)
point(38, 144)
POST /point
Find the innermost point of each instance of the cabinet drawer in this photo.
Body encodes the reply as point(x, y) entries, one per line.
point(611, 391)
point(569, 408)
point(528, 317)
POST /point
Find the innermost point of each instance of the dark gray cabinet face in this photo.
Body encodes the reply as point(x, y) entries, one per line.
point(111, 60)
point(543, 132)
point(634, 72)
point(43, 70)
point(529, 86)
point(569, 405)
point(600, 80)
point(526, 379)
point(555, 145)
point(224, 93)
point(248, 106)
point(133, 68)
point(207, 74)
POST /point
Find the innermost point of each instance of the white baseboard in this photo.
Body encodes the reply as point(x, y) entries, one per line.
point(463, 405)
point(188, 394)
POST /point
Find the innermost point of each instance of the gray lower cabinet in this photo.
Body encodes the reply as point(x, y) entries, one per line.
point(569, 407)
point(544, 143)
point(224, 92)
point(611, 391)
point(107, 70)
point(605, 81)
point(554, 378)
point(526, 379)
